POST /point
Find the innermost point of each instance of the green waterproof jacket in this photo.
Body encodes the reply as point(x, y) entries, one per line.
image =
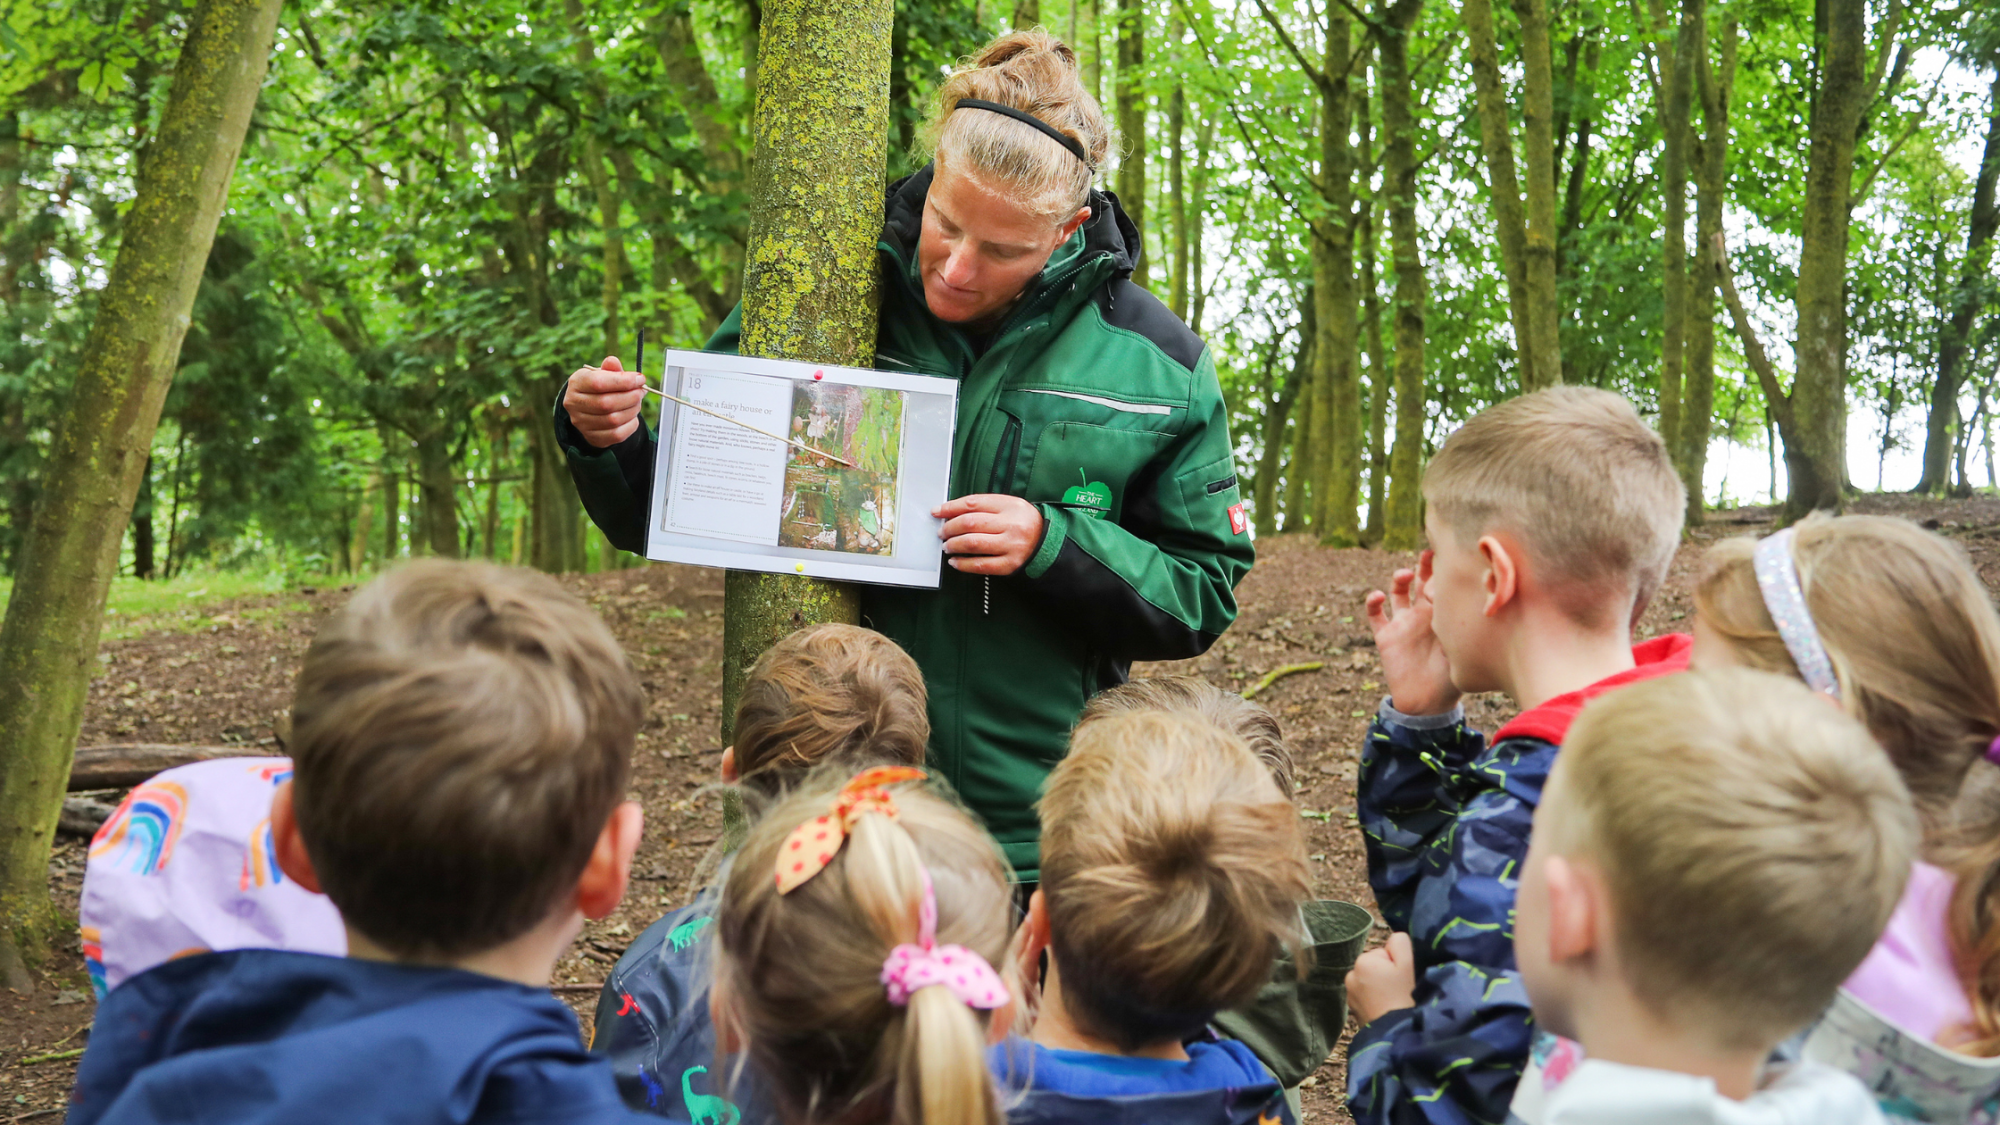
point(1099, 406)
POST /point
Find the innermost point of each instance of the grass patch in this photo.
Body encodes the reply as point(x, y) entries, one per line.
point(183, 603)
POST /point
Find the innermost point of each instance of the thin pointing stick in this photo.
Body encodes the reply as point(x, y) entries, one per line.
point(758, 429)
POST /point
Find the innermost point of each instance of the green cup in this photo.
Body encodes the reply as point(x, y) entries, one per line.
point(1293, 1024)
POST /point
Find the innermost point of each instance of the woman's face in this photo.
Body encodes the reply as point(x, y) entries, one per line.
point(979, 248)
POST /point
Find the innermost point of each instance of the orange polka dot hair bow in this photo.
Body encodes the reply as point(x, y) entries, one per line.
point(812, 845)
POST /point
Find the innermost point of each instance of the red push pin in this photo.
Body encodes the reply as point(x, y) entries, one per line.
point(817, 375)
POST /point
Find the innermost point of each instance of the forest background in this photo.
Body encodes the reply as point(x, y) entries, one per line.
point(1383, 216)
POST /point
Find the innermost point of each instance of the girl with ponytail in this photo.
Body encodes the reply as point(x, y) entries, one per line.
point(856, 945)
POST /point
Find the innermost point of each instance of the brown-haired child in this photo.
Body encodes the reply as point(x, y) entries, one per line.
point(461, 735)
point(1552, 518)
point(1173, 870)
point(856, 942)
point(837, 697)
point(1713, 854)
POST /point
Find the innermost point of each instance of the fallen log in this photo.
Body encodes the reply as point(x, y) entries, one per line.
point(82, 816)
point(124, 764)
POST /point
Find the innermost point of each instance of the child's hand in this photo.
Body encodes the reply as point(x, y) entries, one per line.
point(1383, 980)
point(1412, 660)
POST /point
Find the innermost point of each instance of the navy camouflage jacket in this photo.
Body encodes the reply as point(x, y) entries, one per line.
point(652, 1019)
point(1446, 817)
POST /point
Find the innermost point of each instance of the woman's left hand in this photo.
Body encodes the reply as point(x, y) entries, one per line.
point(989, 533)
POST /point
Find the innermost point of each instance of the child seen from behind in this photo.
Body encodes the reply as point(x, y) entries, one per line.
point(1552, 519)
point(829, 693)
point(461, 737)
point(1713, 853)
point(1173, 870)
point(1294, 1021)
point(856, 942)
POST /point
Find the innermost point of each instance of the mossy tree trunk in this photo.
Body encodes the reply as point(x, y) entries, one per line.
point(1403, 529)
point(1131, 86)
point(1538, 152)
point(810, 284)
point(48, 642)
point(1819, 390)
point(1677, 125)
point(1714, 84)
point(1496, 140)
point(1974, 287)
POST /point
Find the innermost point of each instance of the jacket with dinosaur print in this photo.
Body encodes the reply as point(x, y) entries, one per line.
point(652, 1019)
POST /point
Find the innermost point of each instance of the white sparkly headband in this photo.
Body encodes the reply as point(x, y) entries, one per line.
point(1778, 580)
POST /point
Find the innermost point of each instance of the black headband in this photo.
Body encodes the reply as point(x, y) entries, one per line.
point(1057, 135)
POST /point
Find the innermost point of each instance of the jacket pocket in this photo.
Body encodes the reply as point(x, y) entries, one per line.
point(1090, 468)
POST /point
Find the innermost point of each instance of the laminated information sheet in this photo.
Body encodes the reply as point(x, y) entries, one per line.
point(799, 468)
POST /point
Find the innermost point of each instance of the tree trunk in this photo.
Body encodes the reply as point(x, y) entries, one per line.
point(1337, 475)
point(555, 525)
point(1676, 124)
point(392, 505)
point(609, 206)
point(810, 290)
point(1093, 61)
point(1177, 300)
point(1371, 340)
point(1404, 527)
point(1973, 286)
point(1132, 121)
point(1538, 151)
point(48, 643)
point(142, 525)
point(440, 494)
point(1264, 490)
point(1027, 13)
point(1819, 389)
point(497, 434)
point(1301, 389)
point(1496, 141)
point(1710, 192)
point(1197, 207)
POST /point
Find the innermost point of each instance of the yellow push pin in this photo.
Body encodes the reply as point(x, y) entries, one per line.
point(800, 567)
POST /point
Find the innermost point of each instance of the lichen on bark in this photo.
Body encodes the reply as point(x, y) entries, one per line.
point(810, 286)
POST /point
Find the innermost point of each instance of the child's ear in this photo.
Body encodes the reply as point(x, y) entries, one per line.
point(602, 884)
point(1503, 573)
point(286, 841)
point(1574, 905)
point(728, 765)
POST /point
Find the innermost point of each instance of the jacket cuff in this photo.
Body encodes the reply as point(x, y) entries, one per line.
point(1055, 532)
point(1391, 717)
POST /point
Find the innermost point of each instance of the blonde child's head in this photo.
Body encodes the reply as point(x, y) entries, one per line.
point(1580, 483)
point(1192, 695)
point(1725, 843)
point(1173, 870)
point(1906, 627)
point(828, 693)
point(461, 733)
point(801, 962)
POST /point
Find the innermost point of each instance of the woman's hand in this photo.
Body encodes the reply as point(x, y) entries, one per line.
point(989, 533)
point(603, 402)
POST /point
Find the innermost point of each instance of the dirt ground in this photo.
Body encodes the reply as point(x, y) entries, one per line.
point(228, 682)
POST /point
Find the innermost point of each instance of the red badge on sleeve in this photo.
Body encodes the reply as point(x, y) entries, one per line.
point(1238, 522)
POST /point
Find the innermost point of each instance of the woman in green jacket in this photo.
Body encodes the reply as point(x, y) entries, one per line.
point(1096, 518)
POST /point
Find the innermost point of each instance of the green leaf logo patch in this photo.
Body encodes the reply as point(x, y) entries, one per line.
point(1093, 496)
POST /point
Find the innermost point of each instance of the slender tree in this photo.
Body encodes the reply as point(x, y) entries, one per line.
point(1131, 87)
point(821, 131)
point(1715, 84)
point(1677, 127)
point(48, 643)
point(1403, 529)
point(1975, 286)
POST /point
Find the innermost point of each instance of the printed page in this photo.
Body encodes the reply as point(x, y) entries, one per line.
point(728, 481)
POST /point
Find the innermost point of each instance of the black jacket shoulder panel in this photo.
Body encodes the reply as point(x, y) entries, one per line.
point(1135, 309)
